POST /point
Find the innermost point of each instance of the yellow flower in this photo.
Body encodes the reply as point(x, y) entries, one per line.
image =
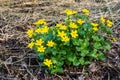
point(47, 62)
point(70, 12)
point(102, 19)
point(41, 49)
point(38, 30)
point(94, 24)
point(31, 44)
point(109, 23)
point(73, 25)
point(87, 14)
point(45, 29)
point(59, 25)
point(50, 43)
point(30, 33)
point(40, 21)
point(61, 34)
point(63, 27)
point(39, 42)
point(80, 21)
point(65, 39)
point(114, 40)
point(95, 28)
point(74, 34)
point(86, 11)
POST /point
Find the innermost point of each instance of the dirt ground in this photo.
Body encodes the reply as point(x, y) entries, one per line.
point(17, 62)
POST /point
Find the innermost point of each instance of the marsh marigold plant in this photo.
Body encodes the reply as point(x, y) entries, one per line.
point(76, 41)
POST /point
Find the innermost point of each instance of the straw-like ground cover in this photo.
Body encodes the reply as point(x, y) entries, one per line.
point(19, 62)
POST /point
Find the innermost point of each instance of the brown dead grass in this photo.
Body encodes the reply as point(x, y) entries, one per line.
point(17, 16)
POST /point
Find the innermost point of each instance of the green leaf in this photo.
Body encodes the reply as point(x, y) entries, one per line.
point(77, 16)
point(82, 62)
point(84, 44)
point(57, 61)
point(76, 62)
point(57, 70)
point(77, 42)
point(54, 52)
point(48, 50)
point(101, 38)
point(109, 31)
point(66, 43)
point(81, 33)
point(85, 17)
point(54, 60)
point(60, 63)
point(40, 56)
point(102, 56)
point(84, 52)
point(71, 58)
point(78, 49)
point(51, 50)
point(87, 62)
point(63, 52)
point(87, 27)
point(95, 38)
point(107, 46)
point(97, 45)
point(48, 37)
point(94, 54)
point(32, 40)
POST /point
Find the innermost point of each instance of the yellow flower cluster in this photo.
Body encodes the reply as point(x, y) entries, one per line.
point(95, 26)
point(61, 26)
point(74, 33)
point(70, 12)
point(30, 33)
point(114, 40)
point(50, 43)
point(40, 22)
point(47, 62)
point(45, 29)
point(73, 25)
point(31, 44)
point(80, 21)
point(61, 33)
point(102, 19)
point(38, 30)
point(41, 49)
point(39, 42)
point(42, 30)
point(86, 11)
point(109, 23)
point(64, 36)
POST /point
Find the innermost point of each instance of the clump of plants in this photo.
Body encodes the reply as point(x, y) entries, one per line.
point(76, 41)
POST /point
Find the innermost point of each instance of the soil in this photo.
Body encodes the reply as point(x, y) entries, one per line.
point(17, 62)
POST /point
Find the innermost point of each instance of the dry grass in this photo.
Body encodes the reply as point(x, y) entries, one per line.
point(17, 16)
